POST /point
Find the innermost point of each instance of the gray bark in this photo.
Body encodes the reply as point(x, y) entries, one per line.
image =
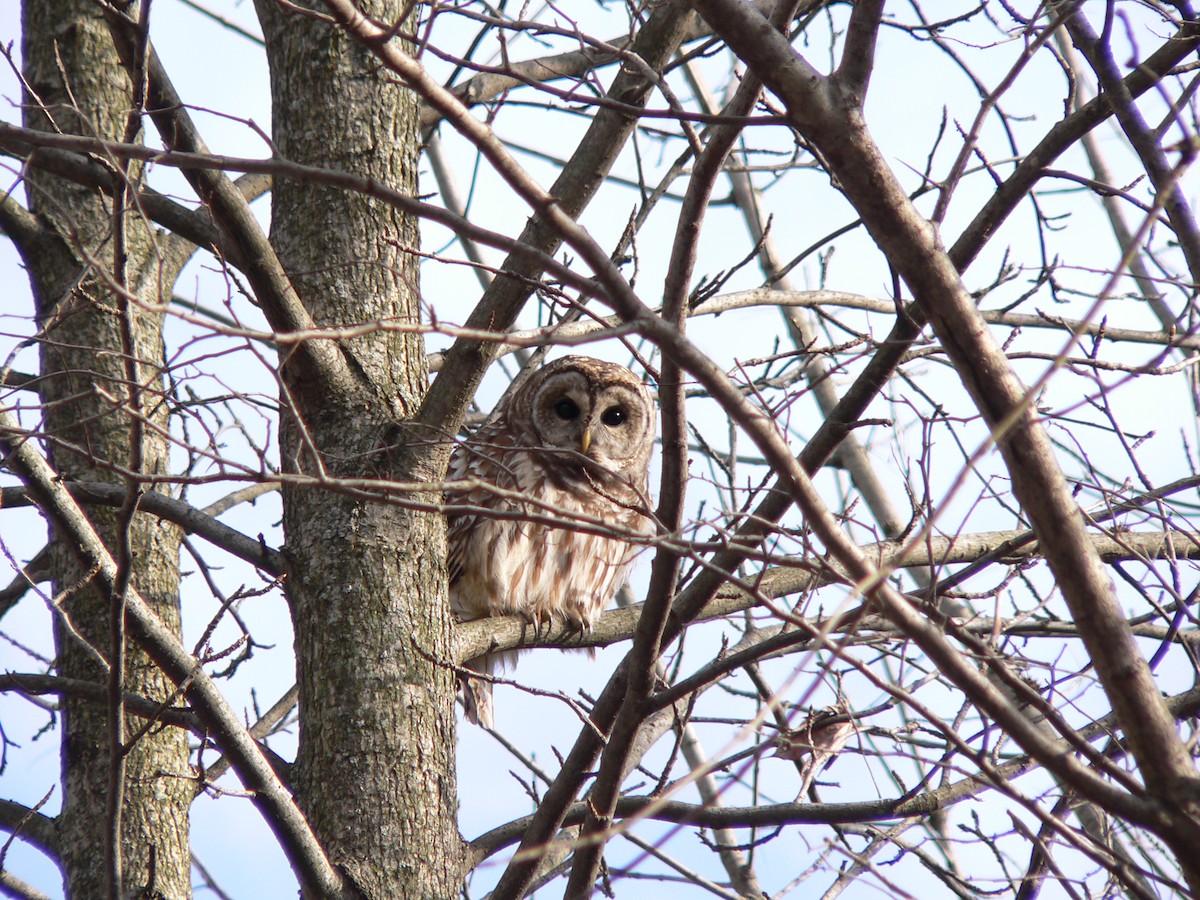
point(367, 579)
point(87, 434)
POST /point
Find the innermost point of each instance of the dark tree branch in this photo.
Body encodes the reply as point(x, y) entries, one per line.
point(36, 685)
point(265, 558)
point(18, 380)
point(1145, 142)
point(853, 73)
point(203, 161)
point(196, 226)
point(187, 517)
point(30, 825)
point(29, 235)
point(35, 571)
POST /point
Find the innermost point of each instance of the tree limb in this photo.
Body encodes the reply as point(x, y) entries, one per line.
point(1182, 706)
point(37, 829)
point(187, 517)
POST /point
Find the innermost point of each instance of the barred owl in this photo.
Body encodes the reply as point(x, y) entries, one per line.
point(564, 466)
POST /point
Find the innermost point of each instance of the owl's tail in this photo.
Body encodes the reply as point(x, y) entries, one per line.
point(477, 693)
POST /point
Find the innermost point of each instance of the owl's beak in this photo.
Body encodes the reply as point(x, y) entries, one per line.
point(585, 441)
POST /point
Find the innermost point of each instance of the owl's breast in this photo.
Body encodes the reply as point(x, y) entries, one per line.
point(545, 555)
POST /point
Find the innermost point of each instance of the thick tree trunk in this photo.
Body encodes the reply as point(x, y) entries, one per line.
point(83, 389)
point(375, 769)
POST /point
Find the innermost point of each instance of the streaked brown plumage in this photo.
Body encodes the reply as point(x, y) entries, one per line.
point(571, 446)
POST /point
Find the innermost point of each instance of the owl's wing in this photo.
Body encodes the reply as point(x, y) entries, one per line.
point(459, 524)
point(480, 458)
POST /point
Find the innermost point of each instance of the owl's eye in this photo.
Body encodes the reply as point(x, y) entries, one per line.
point(613, 416)
point(566, 409)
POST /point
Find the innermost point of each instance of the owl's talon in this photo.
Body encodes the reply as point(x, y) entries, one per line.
point(576, 624)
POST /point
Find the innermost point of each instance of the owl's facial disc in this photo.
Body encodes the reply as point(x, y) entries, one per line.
point(592, 413)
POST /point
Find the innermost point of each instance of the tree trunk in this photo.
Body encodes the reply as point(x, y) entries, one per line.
point(84, 389)
point(367, 578)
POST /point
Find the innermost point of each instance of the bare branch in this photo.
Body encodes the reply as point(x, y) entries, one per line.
point(256, 774)
point(233, 216)
point(912, 247)
point(1141, 137)
point(803, 576)
point(192, 520)
point(30, 825)
point(144, 707)
point(921, 804)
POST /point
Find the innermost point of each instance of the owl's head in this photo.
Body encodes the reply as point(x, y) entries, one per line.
point(601, 410)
